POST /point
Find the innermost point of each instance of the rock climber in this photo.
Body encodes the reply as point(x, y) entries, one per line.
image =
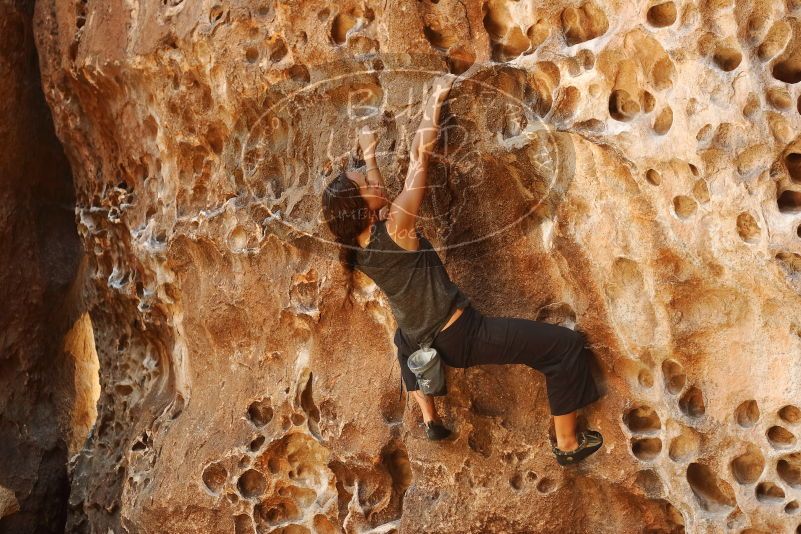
point(380, 239)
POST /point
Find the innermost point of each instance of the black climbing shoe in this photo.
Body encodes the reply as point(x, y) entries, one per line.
point(589, 442)
point(436, 431)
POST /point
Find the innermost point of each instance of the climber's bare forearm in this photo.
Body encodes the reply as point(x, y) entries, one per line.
point(373, 172)
point(368, 142)
point(417, 175)
point(407, 204)
point(424, 140)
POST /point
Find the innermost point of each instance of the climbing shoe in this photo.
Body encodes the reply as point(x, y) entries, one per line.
point(436, 431)
point(589, 442)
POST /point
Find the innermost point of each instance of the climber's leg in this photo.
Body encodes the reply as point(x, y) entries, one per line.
point(565, 429)
point(557, 352)
point(426, 402)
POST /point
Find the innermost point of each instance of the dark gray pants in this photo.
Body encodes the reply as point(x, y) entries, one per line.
point(557, 352)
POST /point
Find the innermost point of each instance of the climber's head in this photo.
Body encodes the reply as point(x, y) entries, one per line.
point(346, 212)
point(373, 195)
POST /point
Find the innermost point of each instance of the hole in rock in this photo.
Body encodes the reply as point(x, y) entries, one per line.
point(323, 14)
point(260, 412)
point(238, 239)
point(747, 227)
point(308, 405)
point(789, 469)
point(243, 524)
point(264, 10)
point(621, 106)
point(586, 58)
point(645, 378)
point(298, 73)
point(459, 59)
point(256, 443)
point(278, 50)
point(747, 414)
point(791, 508)
point(727, 58)
point(214, 476)
point(663, 73)
point(661, 15)
point(395, 460)
point(674, 377)
point(646, 449)
point(580, 24)
point(692, 402)
point(748, 466)
point(789, 201)
point(274, 511)
point(788, 70)
point(323, 525)
point(685, 446)
point(653, 177)
point(216, 14)
point(480, 440)
point(793, 163)
point(779, 97)
point(251, 483)
point(780, 438)
point(648, 101)
point(515, 43)
point(650, 483)
point(642, 419)
point(684, 206)
point(516, 481)
point(298, 419)
point(712, 494)
point(343, 22)
point(663, 121)
point(438, 38)
point(252, 54)
point(769, 492)
point(790, 414)
point(546, 485)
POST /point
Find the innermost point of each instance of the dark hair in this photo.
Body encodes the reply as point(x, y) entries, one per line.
point(346, 214)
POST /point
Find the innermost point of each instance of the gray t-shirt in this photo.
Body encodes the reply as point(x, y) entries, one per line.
point(420, 292)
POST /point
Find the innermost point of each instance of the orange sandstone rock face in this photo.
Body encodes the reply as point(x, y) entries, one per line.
point(630, 171)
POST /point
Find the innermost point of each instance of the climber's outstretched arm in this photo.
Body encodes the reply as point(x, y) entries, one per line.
point(368, 142)
point(405, 207)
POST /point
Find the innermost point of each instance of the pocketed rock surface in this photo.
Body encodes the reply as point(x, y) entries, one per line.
point(628, 169)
